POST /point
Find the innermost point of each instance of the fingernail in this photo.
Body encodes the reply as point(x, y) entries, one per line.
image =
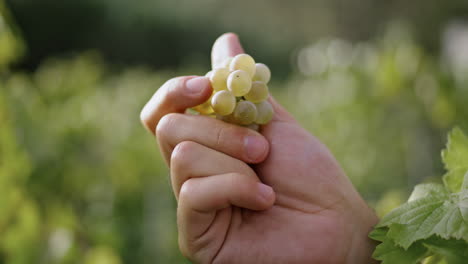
point(265, 192)
point(196, 85)
point(255, 147)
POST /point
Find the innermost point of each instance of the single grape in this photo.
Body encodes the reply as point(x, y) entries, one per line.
point(258, 92)
point(253, 126)
point(243, 62)
point(208, 74)
point(205, 108)
point(218, 79)
point(262, 73)
point(223, 102)
point(264, 113)
point(239, 82)
point(245, 113)
point(227, 118)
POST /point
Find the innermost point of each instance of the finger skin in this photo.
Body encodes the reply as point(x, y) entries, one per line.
point(202, 199)
point(227, 45)
point(175, 97)
point(192, 160)
point(280, 114)
point(239, 142)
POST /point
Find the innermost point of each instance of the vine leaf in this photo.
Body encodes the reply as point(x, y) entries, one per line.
point(455, 158)
point(434, 221)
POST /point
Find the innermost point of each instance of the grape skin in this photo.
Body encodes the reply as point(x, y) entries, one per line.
point(205, 108)
point(243, 62)
point(245, 113)
point(239, 92)
point(262, 73)
point(218, 79)
point(223, 102)
point(258, 92)
point(253, 126)
point(264, 113)
point(227, 118)
point(239, 83)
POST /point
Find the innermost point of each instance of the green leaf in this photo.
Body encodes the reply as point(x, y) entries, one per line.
point(389, 253)
point(453, 251)
point(379, 234)
point(454, 179)
point(409, 212)
point(434, 215)
point(427, 189)
point(455, 158)
point(465, 182)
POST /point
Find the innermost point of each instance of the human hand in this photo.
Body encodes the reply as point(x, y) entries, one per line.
point(293, 204)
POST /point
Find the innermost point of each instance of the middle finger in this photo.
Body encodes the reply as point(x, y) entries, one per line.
point(238, 142)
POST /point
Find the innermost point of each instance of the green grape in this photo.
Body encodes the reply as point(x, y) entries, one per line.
point(227, 118)
point(205, 108)
point(243, 62)
point(253, 126)
point(218, 79)
point(239, 83)
point(265, 113)
point(208, 74)
point(262, 73)
point(258, 92)
point(245, 113)
point(223, 102)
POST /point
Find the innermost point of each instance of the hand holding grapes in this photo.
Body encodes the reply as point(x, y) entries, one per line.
point(294, 205)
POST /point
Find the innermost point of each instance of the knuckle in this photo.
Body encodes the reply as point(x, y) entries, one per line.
point(144, 117)
point(147, 117)
point(182, 155)
point(166, 124)
point(186, 191)
point(174, 85)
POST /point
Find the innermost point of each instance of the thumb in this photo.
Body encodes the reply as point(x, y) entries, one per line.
point(227, 45)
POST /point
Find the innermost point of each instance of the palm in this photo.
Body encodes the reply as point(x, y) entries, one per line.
point(306, 223)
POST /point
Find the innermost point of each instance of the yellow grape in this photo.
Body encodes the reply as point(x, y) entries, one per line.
point(218, 79)
point(258, 92)
point(205, 108)
point(223, 102)
point(253, 126)
point(243, 62)
point(245, 113)
point(239, 82)
point(262, 73)
point(264, 113)
point(226, 118)
point(208, 74)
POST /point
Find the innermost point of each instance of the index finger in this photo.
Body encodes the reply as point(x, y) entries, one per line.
point(227, 45)
point(175, 96)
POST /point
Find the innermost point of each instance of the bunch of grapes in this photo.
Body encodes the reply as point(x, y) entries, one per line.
point(239, 92)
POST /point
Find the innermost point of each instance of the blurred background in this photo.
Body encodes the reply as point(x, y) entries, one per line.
point(380, 82)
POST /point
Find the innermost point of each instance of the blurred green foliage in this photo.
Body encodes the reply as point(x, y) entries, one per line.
point(82, 182)
point(174, 33)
